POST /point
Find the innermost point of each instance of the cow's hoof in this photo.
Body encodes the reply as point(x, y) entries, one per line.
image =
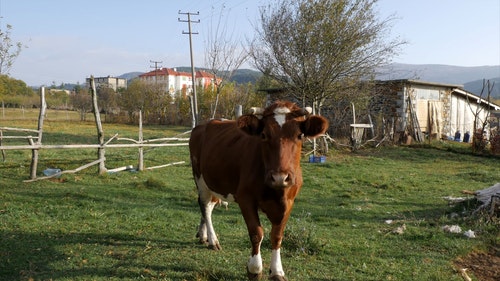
point(202, 239)
point(254, 276)
point(277, 278)
point(215, 247)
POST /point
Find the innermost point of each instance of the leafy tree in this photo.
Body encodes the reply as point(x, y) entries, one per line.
point(133, 99)
point(318, 48)
point(150, 98)
point(81, 100)
point(57, 99)
point(181, 106)
point(107, 100)
point(9, 50)
point(16, 93)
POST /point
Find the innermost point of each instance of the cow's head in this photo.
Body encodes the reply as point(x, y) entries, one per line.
point(282, 127)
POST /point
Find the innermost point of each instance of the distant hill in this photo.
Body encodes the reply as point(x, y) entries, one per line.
point(240, 76)
point(476, 87)
point(447, 74)
point(243, 76)
point(130, 75)
point(469, 77)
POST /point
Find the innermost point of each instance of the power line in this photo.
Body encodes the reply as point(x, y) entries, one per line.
point(155, 67)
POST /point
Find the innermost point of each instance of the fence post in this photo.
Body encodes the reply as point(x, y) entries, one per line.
point(238, 111)
point(101, 151)
point(34, 152)
point(140, 166)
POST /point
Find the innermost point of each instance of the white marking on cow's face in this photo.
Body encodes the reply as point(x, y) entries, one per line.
point(280, 115)
point(276, 268)
point(255, 264)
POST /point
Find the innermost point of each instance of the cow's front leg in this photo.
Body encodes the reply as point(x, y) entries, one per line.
point(276, 272)
point(256, 233)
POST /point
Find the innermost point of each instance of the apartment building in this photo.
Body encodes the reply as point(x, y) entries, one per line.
point(173, 81)
point(109, 81)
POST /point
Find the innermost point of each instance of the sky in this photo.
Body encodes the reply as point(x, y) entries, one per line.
point(68, 41)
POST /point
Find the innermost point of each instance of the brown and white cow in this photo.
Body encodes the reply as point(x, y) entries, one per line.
point(254, 161)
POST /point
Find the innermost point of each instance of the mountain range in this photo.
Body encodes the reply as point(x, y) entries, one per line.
point(470, 78)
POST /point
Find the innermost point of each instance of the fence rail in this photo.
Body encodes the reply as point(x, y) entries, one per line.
point(35, 142)
point(73, 146)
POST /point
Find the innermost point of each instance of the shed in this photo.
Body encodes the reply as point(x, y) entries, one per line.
point(428, 108)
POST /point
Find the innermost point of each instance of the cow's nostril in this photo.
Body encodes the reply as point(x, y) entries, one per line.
point(287, 178)
point(281, 179)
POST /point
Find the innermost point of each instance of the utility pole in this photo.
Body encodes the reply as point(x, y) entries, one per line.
point(194, 102)
point(156, 68)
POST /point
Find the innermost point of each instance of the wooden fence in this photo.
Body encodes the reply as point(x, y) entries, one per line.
point(35, 142)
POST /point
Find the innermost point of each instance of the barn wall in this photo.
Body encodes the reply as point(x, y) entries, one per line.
point(447, 109)
point(432, 107)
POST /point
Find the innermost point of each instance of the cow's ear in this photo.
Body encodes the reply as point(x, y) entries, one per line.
point(314, 126)
point(250, 124)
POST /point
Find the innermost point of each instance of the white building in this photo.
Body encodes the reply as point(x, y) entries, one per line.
point(174, 81)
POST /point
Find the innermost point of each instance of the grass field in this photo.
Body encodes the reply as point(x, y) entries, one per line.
point(142, 225)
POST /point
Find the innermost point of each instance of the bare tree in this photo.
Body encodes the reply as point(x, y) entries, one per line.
point(223, 55)
point(318, 48)
point(481, 120)
point(9, 50)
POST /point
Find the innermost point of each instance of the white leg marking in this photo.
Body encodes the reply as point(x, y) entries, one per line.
point(255, 264)
point(280, 115)
point(276, 268)
point(212, 237)
point(206, 199)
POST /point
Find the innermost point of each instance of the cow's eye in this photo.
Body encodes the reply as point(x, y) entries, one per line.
point(301, 136)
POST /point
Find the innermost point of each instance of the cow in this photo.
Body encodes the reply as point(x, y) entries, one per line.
point(255, 162)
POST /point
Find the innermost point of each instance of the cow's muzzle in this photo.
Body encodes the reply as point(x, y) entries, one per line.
point(281, 179)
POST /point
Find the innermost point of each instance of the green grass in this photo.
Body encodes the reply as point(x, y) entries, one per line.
point(142, 225)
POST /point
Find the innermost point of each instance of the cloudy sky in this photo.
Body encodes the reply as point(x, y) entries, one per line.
point(67, 41)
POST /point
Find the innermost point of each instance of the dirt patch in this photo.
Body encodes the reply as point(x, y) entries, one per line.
point(484, 266)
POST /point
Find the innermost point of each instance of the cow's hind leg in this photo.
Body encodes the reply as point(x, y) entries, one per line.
point(202, 228)
point(207, 202)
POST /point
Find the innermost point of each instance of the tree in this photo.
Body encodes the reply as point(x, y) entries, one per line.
point(481, 118)
point(133, 98)
point(223, 56)
point(107, 100)
point(318, 48)
point(151, 99)
point(9, 50)
point(81, 101)
point(16, 93)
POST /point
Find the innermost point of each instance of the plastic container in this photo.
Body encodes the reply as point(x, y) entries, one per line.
point(51, 171)
point(317, 159)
